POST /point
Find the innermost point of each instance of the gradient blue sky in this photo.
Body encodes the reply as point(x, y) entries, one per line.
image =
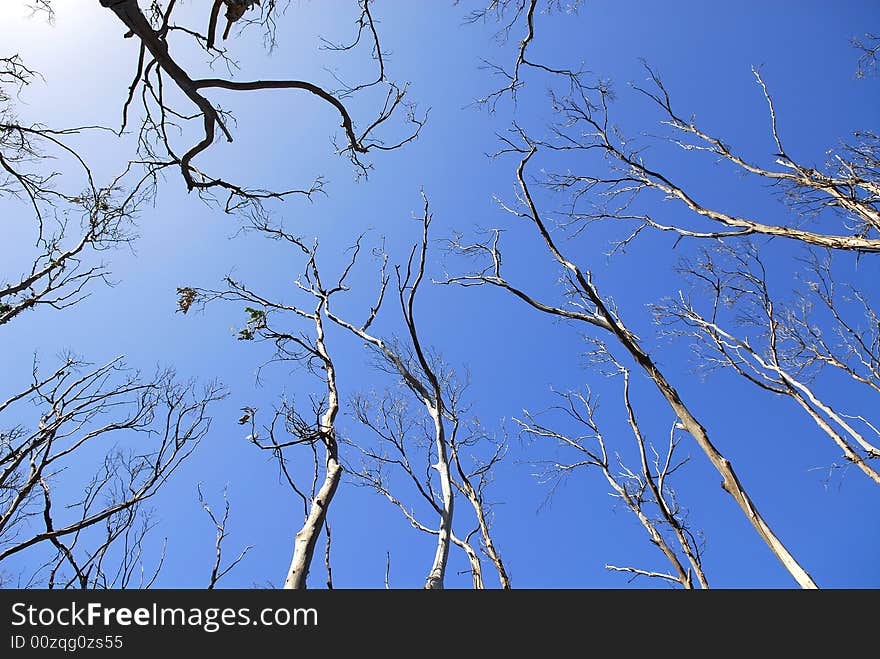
point(704, 52)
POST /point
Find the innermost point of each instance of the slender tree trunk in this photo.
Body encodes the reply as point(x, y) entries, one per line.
point(474, 559)
point(307, 537)
point(730, 482)
point(470, 492)
point(660, 498)
point(608, 320)
point(680, 572)
point(490, 548)
point(438, 568)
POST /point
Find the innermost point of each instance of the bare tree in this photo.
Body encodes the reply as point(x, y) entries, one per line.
point(162, 33)
point(153, 425)
point(417, 443)
point(73, 218)
point(847, 186)
point(405, 453)
point(586, 305)
point(608, 175)
point(474, 473)
point(511, 14)
point(433, 386)
point(413, 367)
point(645, 490)
point(218, 570)
point(846, 189)
point(98, 539)
point(782, 348)
point(74, 224)
point(290, 428)
point(419, 370)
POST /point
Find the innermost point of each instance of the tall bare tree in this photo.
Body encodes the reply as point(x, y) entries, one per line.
point(405, 454)
point(586, 305)
point(291, 428)
point(607, 175)
point(64, 264)
point(420, 371)
point(152, 425)
point(70, 217)
point(423, 374)
point(418, 434)
point(645, 490)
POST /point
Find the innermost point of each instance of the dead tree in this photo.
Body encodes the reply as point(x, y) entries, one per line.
point(783, 348)
point(645, 490)
point(587, 306)
point(161, 61)
point(71, 218)
point(149, 425)
point(432, 385)
point(846, 190)
point(290, 428)
point(404, 457)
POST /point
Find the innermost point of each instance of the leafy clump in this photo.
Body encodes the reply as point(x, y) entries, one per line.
point(186, 297)
point(256, 321)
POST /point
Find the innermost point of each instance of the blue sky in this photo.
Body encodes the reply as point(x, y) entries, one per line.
point(704, 52)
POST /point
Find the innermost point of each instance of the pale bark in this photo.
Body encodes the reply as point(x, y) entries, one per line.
point(790, 386)
point(438, 567)
point(628, 340)
point(473, 559)
point(730, 482)
point(473, 495)
point(420, 377)
point(682, 575)
point(312, 351)
point(430, 396)
point(851, 186)
point(604, 318)
point(657, 492)
point(638, 489)
point(307, 537)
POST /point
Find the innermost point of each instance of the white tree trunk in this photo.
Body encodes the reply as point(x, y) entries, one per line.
point(438, 567)
point(307, 537)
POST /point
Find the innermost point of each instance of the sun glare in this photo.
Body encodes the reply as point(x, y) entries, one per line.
point(30, 30)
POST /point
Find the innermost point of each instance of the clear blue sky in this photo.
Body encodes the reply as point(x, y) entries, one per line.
point(704, 52)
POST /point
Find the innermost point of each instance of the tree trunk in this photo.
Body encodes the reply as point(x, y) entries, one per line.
point(730, 481)
point(307, 536)
point(438, 568)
